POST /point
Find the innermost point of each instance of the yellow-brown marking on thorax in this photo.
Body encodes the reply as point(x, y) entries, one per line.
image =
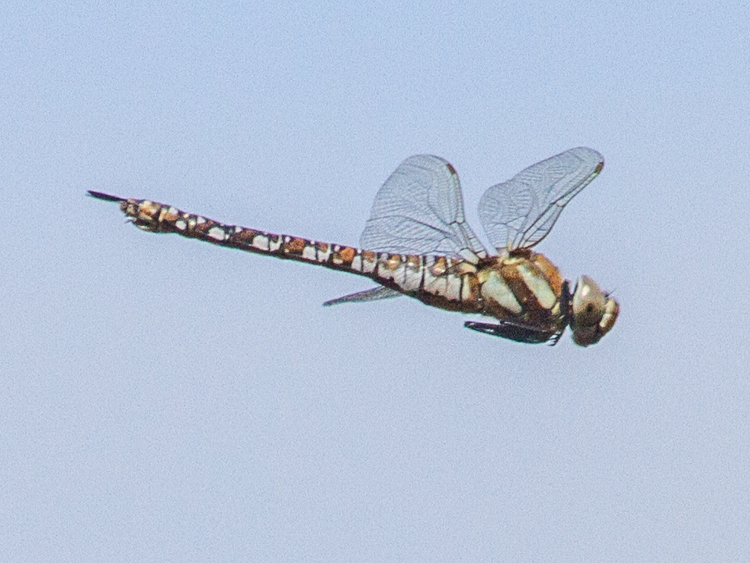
point(550, 272)
point(509, 282)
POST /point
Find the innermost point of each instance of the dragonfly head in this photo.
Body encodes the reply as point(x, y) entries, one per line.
point(593, 312)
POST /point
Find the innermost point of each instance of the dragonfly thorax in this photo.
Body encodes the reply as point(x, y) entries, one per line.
point(531, 299)
point(524, 287)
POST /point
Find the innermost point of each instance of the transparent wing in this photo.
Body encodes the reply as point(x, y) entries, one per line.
point(519, 213)
point(373, 294)
point(420, 210)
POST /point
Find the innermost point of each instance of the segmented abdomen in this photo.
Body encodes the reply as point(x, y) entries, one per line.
point(436, 280)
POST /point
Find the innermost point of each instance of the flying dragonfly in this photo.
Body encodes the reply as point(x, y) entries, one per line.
point(417, 243)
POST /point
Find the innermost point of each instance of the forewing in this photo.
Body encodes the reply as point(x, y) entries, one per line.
point(419, 210)
point(519, 213)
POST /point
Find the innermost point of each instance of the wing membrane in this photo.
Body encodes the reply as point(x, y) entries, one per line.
point(420, 210)
point(519, 213)
point(373, 294)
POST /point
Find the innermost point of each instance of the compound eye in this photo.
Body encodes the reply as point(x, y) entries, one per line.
point(593, 313)
point(588, 303)
point(589, 307)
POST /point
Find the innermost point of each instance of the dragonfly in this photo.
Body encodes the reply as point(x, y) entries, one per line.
point(417, 243)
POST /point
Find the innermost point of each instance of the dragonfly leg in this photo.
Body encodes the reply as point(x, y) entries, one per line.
point(512, 331)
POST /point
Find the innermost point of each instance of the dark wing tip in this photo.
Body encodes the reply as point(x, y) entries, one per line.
point(105, 197)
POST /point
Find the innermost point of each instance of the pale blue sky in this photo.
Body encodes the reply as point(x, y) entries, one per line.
point(166, 400)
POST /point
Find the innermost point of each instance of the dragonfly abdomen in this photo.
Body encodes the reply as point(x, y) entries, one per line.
point(159, 218)
point(436, 280)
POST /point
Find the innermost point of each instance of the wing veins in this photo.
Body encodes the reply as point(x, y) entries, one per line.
point(521, 212)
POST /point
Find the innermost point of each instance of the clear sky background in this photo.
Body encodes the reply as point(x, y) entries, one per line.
point(167, 400)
